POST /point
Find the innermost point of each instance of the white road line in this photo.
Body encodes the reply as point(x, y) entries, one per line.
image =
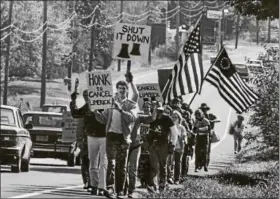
point(28, 195)
point(224, 135)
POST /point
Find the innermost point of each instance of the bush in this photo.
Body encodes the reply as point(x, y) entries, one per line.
point(166, 51)
point(266, 111)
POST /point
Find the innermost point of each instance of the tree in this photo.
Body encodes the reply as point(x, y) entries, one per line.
point(261, 9)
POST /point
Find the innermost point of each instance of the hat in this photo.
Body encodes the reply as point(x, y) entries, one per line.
point(204, 106)
point(240, 117)
point(160, 107)
point(176, 100)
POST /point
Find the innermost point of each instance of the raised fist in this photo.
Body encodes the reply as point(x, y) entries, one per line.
point(128, 77)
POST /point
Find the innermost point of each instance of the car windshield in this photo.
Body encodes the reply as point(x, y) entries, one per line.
point(7, 117)
point(254, 62)
point(55, 109)
point(44, 120)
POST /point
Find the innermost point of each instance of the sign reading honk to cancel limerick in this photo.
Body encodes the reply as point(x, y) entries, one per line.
point(132, 42)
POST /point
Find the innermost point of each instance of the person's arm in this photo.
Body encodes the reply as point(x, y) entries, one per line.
point(147, 119)
point(77, 112)
point(173, 135)
point(135, 93)
point(127, 116)
point(101, 117)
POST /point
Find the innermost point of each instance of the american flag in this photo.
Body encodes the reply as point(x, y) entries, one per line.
point(231, 87)
point(187, 74)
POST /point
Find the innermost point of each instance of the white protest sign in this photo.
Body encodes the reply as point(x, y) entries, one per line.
point(100, 89)
point(132, 42)
point(214, 14)
point(148, 91)
point(69, 128)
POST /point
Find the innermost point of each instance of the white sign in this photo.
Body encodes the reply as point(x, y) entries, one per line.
point(148, 91)
point(100, 89)
point(69, 128)
point(214, 14)
point(132, 42)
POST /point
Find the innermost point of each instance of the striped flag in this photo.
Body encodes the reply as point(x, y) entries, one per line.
point(231, 87)
point(187, 74)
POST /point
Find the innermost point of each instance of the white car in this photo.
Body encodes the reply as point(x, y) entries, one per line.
point(255, 66)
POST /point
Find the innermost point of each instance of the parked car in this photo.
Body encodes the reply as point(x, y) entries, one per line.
point(46, 135)
point(57, 108)
point(15, 140)
point(243, 71)
point(255, 66)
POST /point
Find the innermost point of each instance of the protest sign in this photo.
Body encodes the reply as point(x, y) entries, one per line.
point(148, 91)
point(100, 89)
point(132, 42)
point(69, 127)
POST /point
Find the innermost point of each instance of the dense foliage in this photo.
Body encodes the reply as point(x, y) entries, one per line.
point(266, 110)
point(261, 9)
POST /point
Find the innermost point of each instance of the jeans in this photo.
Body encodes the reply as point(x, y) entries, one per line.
point(170, 166)
point(178, 161)
point(97, 172)
point(158, 161)
point(133, 163)
point(85, 167)
point(117, 151)
point(237, 137)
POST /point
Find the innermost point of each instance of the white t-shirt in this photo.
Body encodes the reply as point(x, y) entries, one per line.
point(116, 124)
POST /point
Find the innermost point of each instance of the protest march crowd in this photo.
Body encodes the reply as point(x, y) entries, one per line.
point(119, 145)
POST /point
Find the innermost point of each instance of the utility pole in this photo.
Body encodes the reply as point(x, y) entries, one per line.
point(92, 42)
point(74, 36)
point(44, 56)
point(119, 61)
point(237, 30)
point(222, 30)
point(5, 96)
point(149, 23)
point(177, 28)
point(268, 31)
point(257, 23)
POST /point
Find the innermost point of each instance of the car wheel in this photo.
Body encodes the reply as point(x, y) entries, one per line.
point(78, 160)
point(17, 168)
point(71, 160)
point(25, 165)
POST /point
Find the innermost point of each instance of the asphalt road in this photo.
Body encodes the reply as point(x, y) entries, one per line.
point(51, 178)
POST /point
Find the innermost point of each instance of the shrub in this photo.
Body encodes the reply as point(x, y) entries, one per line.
point(266, 111)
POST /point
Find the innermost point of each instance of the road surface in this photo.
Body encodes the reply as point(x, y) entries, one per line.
point(51, 178)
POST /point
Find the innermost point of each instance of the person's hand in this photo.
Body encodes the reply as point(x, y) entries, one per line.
point(80, 144)
point(74, 96)
point(117, 106)
point(129, 77)
point(171, 148)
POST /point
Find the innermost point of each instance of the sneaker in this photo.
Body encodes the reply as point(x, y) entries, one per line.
point(109, 193)
point(235, 152)
point(177, 182)
point(100, 192)
point(94, 191)
point(205, 169)
point(130, 195)
point(170, 181)
point(195, 170)
point(151, 189)
point(121, 195)
point(86, 185)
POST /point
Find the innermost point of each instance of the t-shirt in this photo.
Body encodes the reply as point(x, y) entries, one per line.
point(202, 126)
point(160, 128)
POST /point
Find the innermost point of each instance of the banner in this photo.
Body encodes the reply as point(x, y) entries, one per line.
point(100, 89)
point(69, 128)
point(148, 91)
point(132, 42)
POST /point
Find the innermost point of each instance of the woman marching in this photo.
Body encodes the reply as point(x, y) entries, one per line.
point(202, 131)
point(179, 147)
